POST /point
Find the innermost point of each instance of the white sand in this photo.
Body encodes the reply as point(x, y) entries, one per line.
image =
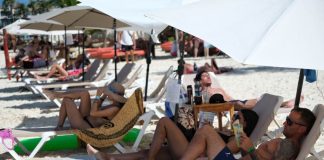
point(23, 109)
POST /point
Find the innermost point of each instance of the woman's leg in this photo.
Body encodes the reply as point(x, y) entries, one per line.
point(59, 69)
point(205, 139)
point(177, 142)
point(70, 110)
point(163, 154)
point(83, 95)
point(55, 68)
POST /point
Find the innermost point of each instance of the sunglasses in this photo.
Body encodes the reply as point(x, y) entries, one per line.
point(290, 122)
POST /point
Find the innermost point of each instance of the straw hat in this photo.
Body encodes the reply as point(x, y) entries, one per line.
point(116, 92)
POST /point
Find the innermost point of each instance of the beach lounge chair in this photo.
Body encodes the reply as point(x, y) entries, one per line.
point(307, 146)
point(87, 77)
point(266, 108)
point(154, 99)
point(121, 78)
point(92, 80)
point(107, 135)
point(20, 72)
point(160, 89)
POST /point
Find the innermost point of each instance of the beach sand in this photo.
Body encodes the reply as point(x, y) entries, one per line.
point(23, 109)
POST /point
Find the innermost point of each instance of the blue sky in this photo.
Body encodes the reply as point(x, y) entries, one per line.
point(21, 1)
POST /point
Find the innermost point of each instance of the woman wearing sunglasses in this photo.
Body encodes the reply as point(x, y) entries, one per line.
point(177, 141)
point(89, 114)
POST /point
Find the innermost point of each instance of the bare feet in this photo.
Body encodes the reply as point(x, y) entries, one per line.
point(93, 152)
point(50, 94)
point(291, 103)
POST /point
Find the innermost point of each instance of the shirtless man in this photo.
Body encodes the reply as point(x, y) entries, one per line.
point(205, 81)
point(296, 127)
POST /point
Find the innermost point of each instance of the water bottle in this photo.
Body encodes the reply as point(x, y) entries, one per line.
point(189, 93)
point(195, 67)
point(198, 97)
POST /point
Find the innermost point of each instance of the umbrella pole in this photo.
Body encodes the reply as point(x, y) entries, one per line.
point(79, 40)
point(66, 49)
point(148, 62)
point(180, 73)
point(84, 56)
point(299, 88)
point(177, 41)
point(115, 48)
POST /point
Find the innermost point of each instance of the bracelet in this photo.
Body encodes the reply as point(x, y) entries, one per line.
point(251, 150)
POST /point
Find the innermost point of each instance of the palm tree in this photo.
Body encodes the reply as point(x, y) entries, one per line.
point(21, 10)
point(32, 6)
point(7, 6)
point(64, 3)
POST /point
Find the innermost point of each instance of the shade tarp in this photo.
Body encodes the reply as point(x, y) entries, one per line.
point(280, 33)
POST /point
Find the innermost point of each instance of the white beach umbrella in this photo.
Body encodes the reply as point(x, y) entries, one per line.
point(44, 25)
point(276, 33)
point(87, 17)
point(133, 13)
point(14, 28)
point(280, 33)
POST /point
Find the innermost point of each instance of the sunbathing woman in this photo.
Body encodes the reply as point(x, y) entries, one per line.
point(72, 70)
point(89, 115)
point(177, 141)
point(212, 67)
point(206, 83)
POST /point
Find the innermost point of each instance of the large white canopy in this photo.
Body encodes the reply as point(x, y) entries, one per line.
point(132, 12)
point(281, 33)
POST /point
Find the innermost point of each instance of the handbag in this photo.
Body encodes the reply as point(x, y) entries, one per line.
point(185, 122)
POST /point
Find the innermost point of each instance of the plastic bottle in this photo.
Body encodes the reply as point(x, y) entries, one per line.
point(198, 97)
point(189, 93)
point(195, 67)
point(238, 130)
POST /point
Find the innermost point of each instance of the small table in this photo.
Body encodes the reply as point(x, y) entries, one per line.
point(215, 108)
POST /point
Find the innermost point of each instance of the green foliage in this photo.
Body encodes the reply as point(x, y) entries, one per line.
point(21, 10)
point(7, 6)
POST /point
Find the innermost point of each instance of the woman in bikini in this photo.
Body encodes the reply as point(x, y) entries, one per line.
point(72, 70)
point(89, 114)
